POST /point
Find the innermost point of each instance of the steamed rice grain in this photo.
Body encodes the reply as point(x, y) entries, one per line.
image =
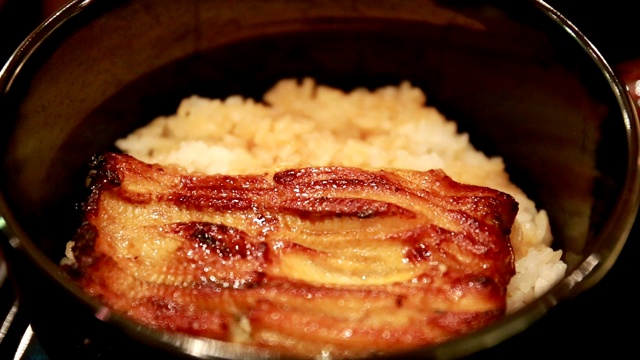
point(306, 124)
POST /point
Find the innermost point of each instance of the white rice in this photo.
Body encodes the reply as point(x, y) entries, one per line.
point(303, 123)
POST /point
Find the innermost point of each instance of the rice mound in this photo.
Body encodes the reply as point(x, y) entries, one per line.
point(301, 123)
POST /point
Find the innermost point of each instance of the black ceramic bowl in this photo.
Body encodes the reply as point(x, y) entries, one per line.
point(516, 75)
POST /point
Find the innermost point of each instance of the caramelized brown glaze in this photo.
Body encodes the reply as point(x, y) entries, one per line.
point(332, 259)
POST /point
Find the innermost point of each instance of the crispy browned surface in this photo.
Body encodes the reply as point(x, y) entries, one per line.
point(302, 260)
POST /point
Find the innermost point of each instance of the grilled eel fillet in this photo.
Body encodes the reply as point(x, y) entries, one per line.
point(304, 261)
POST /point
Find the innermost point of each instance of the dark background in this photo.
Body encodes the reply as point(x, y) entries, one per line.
point(599, 323)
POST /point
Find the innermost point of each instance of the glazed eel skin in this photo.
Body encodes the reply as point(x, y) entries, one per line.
point(333, 260)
